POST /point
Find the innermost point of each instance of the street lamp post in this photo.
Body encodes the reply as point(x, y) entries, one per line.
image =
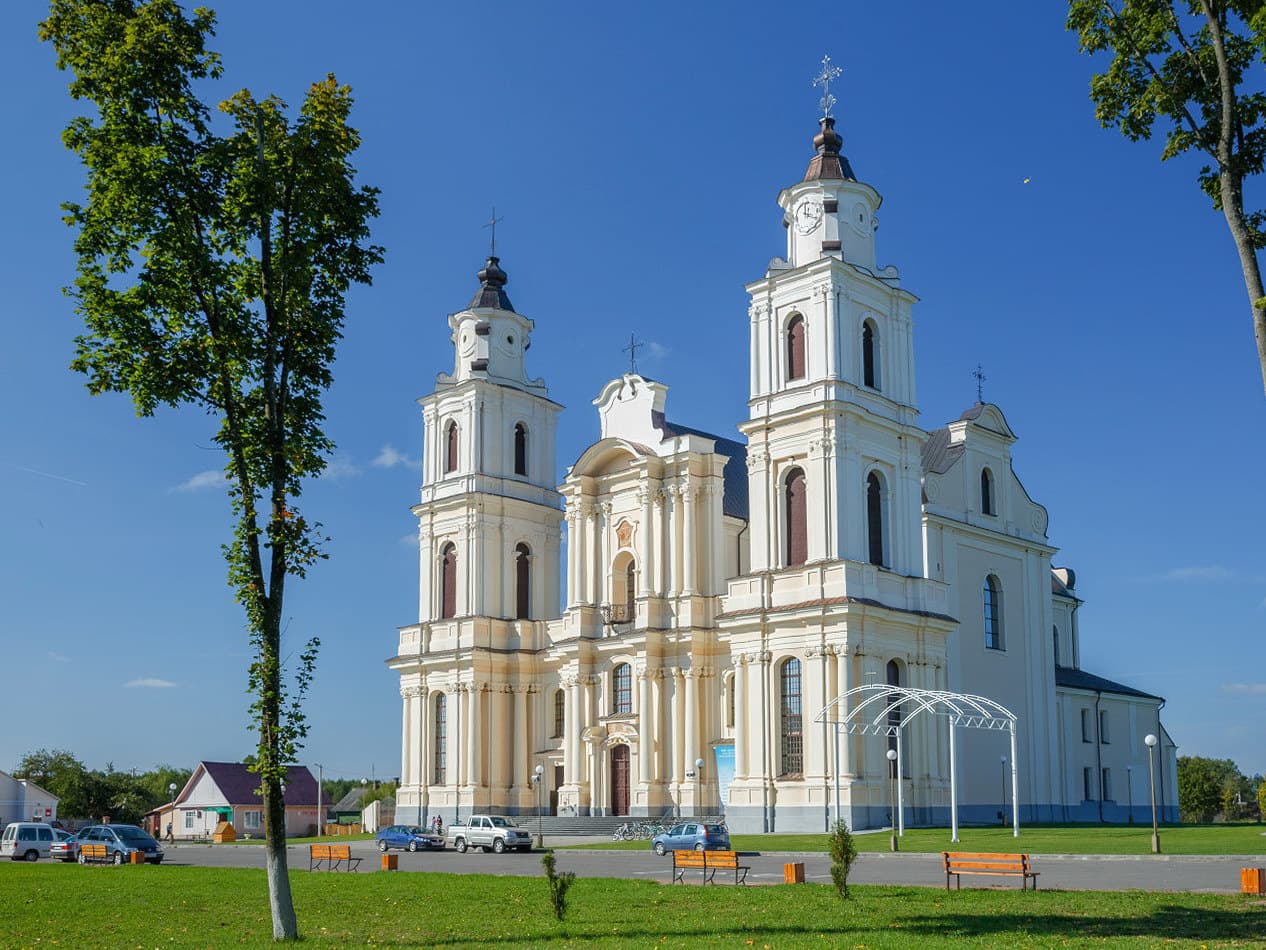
point(1150, 741)
point(171, 821)
point(698, 783)
point(1129, 787)
point(892, 795)
point(1003, 760)
point(538, 776)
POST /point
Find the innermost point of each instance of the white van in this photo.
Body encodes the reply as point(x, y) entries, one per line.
point(26, 840)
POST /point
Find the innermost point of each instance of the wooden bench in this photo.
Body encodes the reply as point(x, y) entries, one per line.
point(969, 862)
point(331, 855)
point(708, 863)
point(93, 853)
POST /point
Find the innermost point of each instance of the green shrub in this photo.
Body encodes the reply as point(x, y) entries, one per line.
point(843, 854)
point(558, 885)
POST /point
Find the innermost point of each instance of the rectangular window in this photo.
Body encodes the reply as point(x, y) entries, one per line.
point(252, 819)
point(188, 821)
point(1088, 784)
point(1086, 734)
point(1103, 725)
point(440, 767)
point(1105, 785)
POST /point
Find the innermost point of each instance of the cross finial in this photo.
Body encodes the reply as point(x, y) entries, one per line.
point(823, 79)
point(492, 224)
point(978, 374)
point(632, 349)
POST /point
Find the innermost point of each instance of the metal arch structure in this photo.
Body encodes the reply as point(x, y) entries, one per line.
point(870, 715)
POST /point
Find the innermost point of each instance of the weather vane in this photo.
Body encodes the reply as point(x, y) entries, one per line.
point(823, 79)
point(632, 349)
point(978, 374)
point(492, 223)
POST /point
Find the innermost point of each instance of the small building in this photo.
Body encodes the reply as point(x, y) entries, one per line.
point(347, 810)
point(229, 791)
point(23, 800)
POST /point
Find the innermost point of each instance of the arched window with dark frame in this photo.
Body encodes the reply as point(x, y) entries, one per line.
point(450, 450)
point(875, 518)
point(448, 581)
point(795, 348)
point(622, 690)
point(795, 510)
point(870, 355)
point(440, 761)
point(522, 581)
point(986, 492)
point(991, 598)
point(520, 449)
point(560, 713)
point(790, 720)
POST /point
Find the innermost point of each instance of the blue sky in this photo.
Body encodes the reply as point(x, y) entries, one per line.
point(635, 151)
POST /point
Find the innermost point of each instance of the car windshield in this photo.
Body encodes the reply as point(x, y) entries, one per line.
point(132, 833)
point(716, 829)
point(500, 822)
point(415, 830)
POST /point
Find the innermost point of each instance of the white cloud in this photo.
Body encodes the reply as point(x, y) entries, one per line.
point(656, 351)
point(212, 478)
point(1210, 572)
point(149, 682)
point(390, 457)
point(410, 540)
point(58, 657)
point(339, 467)
point(1248, 689)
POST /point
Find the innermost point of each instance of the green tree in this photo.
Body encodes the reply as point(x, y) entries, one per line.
point(843, 854)
point(212, 271)
point(1186, 62)
point(1200, 784)
point(1261, 800)
point(61, 773)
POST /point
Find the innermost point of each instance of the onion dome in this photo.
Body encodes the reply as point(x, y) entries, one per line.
point(828, 163)
point(491, 292)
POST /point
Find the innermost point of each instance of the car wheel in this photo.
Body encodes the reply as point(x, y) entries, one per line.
point(699, 846)
point(659, 848)
point(382, 845)
point(31, 856)
point(117, 858)
point(499, 846)
point(413, 846)
point(460, 845)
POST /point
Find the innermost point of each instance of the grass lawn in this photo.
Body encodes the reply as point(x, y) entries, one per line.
point(1240, 838)
point(321, 839)
point(156, 906)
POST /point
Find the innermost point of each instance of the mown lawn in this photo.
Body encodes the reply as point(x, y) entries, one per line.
point(1242, 838)
point(320, 839)
point(145, 906)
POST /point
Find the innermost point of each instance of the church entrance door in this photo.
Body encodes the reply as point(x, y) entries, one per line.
point(620, 780)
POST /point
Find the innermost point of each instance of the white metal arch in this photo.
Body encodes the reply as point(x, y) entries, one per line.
point(869, 715)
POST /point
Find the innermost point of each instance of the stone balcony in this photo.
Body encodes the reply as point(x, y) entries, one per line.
point(837, 582)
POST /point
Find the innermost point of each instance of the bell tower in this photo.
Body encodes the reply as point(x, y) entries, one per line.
point(489, 516)
point(833, 441)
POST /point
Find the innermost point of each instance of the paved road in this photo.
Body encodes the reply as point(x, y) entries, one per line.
point(1198, 873)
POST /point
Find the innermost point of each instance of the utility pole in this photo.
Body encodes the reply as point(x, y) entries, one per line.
point(320, 789)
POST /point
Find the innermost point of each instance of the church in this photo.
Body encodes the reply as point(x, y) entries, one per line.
point(721, 591)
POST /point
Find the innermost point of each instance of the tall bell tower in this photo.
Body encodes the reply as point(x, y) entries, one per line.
point(833, 424)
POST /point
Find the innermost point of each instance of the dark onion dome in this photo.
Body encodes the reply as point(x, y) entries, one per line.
point(491, 292)
point(828, 163)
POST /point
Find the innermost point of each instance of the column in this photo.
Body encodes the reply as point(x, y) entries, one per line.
point(582, 544)
point(829, 311)
point(573, 586)
point(661, 733)
point(572, 731)
point(689, 539)
point(426, 570)
point(753, 316)
point(406, 735)
point(741, 729)
point(661, 560)
point(691, 745)
point(646, 575)
point(505, 729)
point(678, 726)
point(645, 740)
point(474, 728)
point(841, 687)
point(458, 720)
point(671, 511)
point(814, 759)
point(422, 772)
point(521, 764)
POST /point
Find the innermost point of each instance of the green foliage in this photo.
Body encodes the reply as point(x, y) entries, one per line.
point(1200, 786)
point(1227, 801)
point(843, 853)
point(333, 790)
point(559, 884)
point(214, 256)
point(384, 790)
point(88, 794)
point(1261, 801)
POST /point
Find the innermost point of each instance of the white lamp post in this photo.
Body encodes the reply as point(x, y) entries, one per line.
point(171, 822)
point(1129, 787)
point(538, 777)
point(892, 797)
point(1150, 741)
point(1003, 760)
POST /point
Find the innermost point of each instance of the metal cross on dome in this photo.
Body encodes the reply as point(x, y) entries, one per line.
point(823, 79)
point(631, 349)
point(978, 374)
point(492, 223)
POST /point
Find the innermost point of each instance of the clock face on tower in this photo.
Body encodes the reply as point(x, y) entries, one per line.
point(808, 216)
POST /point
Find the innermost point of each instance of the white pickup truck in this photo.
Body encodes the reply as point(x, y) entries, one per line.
point(489, 832)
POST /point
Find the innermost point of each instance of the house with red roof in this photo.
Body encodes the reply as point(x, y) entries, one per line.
point(229, 791)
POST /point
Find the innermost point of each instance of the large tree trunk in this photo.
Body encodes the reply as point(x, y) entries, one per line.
point(1232, 208)
point(280, 901)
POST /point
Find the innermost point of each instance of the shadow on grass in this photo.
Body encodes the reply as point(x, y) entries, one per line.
point(1167, 922)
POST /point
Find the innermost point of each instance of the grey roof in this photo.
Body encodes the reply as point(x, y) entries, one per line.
point(734, 475)
point(939, 454)
point(351, 801)
point(1072, 678)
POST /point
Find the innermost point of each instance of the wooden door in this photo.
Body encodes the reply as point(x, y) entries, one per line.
point(553, 792)
point(620, 780)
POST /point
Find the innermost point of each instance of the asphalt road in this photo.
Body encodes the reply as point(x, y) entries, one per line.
point(1196, 873)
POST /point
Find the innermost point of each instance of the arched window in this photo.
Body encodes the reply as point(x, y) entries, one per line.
point(448, 581)
point(790, 720)
point(986, 492)
point(870, 355)
point(623, 588)
point(522, 582)
point(622, 690)
point(560, 713)
point(450, 453)
point(520, 449)
point(991, 595)
point(875, 518)
point(441, 740)
point(1055, 643)
point(630, 590)
point(893, 672)
point(795, 347)
point(796, 512)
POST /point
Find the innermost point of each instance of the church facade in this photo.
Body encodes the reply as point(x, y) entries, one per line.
point(718, 593)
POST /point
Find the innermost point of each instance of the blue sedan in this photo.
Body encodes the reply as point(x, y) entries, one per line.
point(408, 838)
point(692, 835)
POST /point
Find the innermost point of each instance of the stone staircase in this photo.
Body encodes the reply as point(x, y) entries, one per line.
point(572, 824)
